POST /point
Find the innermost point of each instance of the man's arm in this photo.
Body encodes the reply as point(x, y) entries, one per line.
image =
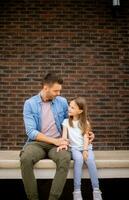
point(56, 141)
point(91, 137)
point(31, 121)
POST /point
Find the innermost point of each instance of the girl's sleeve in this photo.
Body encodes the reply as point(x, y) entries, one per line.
point(65, 123)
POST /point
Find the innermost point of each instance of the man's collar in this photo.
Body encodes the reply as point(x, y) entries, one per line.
point(42, 100)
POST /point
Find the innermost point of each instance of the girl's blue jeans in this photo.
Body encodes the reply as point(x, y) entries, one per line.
point(78, 164)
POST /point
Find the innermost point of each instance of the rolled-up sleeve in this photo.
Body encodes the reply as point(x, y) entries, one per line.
point(30, 122)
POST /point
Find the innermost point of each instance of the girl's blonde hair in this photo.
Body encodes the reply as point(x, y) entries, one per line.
point(84, 123)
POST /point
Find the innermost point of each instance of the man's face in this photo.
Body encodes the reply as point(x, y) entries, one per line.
point(51, 91)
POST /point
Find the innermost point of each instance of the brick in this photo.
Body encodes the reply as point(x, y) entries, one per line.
point(84, 42)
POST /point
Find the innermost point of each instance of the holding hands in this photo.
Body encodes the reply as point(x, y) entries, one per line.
point(62, 147)
point(62, 144)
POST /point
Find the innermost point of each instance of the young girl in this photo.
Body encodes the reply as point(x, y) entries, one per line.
point(76, 128)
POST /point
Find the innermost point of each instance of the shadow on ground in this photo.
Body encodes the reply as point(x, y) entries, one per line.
point(112, 189)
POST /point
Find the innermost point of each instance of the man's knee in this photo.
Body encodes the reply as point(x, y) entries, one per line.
point(25, 159)
point(66, 155)
point(64, 158)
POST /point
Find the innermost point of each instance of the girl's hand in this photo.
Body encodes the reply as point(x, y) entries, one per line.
point(85, 155)
point(62, 147)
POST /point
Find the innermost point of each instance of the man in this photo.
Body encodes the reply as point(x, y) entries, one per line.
point(43, 116)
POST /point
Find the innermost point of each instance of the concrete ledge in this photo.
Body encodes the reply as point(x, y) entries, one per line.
point(110, 164)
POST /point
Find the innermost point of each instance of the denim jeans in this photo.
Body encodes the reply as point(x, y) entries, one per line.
point(32, 153)
point(78, 164)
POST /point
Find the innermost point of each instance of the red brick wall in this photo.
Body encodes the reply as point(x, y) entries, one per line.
point(82, 40)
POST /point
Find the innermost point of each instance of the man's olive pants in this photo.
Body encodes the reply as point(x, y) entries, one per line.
point(32, 153)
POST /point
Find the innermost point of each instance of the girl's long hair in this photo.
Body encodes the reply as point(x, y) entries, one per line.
point(84, 123)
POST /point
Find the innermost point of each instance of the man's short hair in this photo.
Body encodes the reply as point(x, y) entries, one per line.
point(51, 78)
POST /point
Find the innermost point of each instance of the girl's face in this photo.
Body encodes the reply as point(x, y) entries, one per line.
point(74, 109)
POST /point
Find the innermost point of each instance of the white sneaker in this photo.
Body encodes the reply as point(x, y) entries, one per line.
point(77, 195)
point(97, 194)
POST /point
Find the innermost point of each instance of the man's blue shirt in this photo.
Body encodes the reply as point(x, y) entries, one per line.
point(32, 114)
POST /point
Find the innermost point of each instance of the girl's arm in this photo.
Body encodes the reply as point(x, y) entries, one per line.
point(65, 133)
point(86, 141)
point(64, 136)
point(85, 147)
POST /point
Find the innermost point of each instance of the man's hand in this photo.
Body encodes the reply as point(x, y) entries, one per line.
point(91, 137)
point(62, 147)
point(61, 141)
